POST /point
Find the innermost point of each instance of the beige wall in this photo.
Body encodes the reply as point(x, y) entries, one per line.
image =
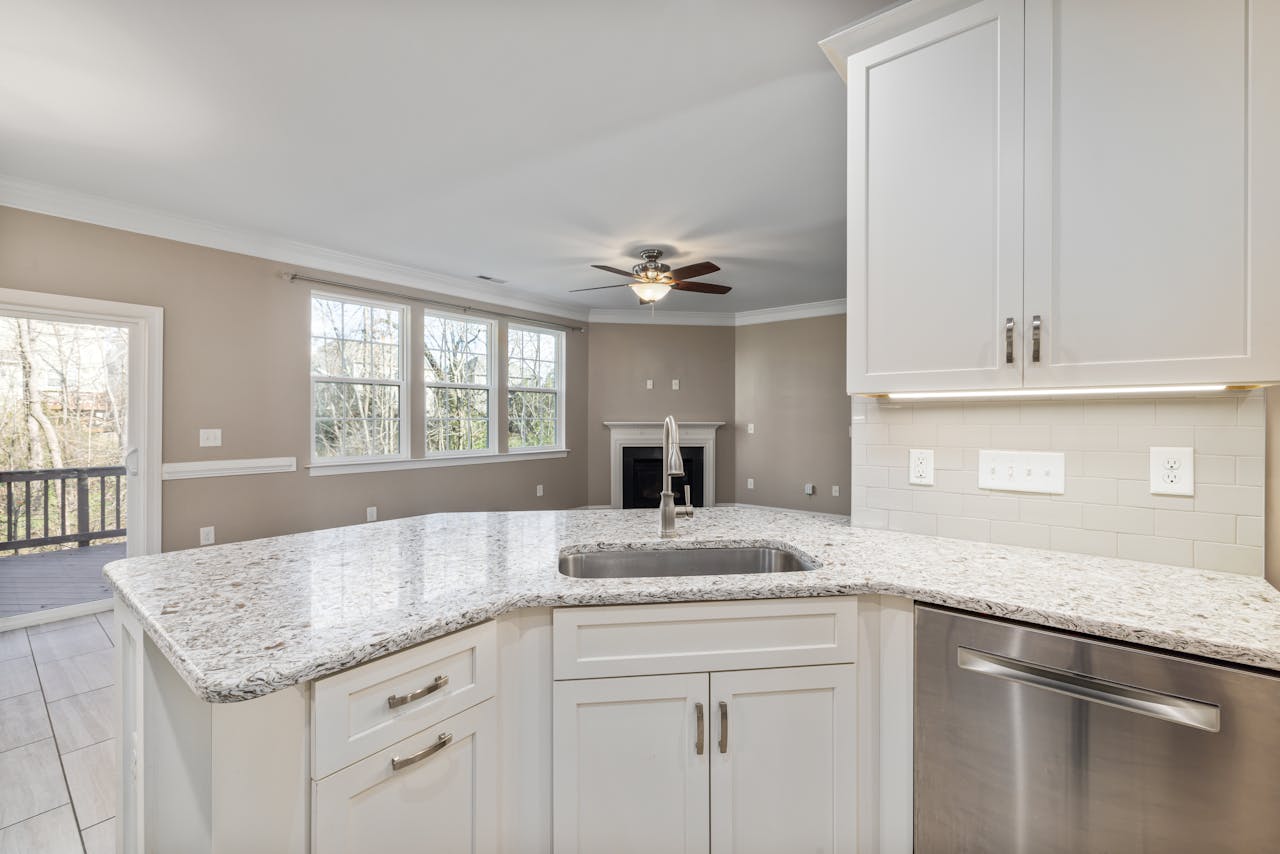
point(623, 356)
point(235, 357)
point(790, 383)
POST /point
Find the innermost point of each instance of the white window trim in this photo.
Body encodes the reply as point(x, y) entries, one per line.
point(492, 387)
point(403, 384)
point(559, 391)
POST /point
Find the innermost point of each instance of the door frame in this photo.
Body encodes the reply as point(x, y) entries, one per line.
point(146, 349)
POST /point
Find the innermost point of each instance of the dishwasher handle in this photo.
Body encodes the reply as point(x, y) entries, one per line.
point(1178, 710)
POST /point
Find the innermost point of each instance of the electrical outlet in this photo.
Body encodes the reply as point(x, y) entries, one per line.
point(808, 489)
point(539, 490)
point(751, 483)
point(835, 492)
point(371, 514)
point(920, 467)
point(206, 536)
point(648, 384)
point(675, 385)
point(210, 437)
point(1023, 471)
point(1173, 471)
point(751, 428)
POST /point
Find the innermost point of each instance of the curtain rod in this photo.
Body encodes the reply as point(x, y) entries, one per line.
point(465, 309)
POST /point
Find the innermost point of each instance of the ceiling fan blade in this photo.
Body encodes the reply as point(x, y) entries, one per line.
point(601, 288)
point(608, 269)
point(693, 271)
point(702, 287)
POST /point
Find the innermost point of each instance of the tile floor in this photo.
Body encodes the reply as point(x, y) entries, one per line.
point(57, 753)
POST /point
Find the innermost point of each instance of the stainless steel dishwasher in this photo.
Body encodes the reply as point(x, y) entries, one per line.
point(1031, 740)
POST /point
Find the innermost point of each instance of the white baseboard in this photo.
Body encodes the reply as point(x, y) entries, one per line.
point(53, 615)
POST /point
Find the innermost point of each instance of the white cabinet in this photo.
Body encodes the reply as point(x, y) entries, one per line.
point(630, 766)
point(437, 790)
point(1124, 204)
point(783, 769)
point(935, 204)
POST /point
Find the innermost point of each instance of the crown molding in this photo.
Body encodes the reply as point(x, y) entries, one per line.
point(98, 210)
point(718, 318)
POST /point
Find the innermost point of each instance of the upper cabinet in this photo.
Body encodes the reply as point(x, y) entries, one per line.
point(1057, 193)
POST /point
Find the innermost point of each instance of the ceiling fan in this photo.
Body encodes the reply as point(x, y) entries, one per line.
point(653, 279)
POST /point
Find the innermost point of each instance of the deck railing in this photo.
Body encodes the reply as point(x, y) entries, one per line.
point(51, 507)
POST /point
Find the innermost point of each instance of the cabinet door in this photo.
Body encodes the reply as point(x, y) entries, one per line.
point(935, 204)
point(1153, 191)
point(628, 774)
point(783, 760)
point(445, 801)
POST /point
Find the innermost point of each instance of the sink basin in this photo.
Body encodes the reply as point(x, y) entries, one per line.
point(649, 563)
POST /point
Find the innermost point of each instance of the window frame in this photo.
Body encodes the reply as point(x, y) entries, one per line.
point(493, 388)
point(559, 391)
point(406, 319)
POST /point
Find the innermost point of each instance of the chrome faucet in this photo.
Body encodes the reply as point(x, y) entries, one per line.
point(672, 466)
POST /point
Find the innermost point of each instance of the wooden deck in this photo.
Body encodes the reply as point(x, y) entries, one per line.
point(36, 582)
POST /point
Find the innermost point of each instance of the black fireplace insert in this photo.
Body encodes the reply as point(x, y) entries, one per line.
point(642, 476)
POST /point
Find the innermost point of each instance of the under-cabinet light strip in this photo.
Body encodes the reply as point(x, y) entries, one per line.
point(1055, 392)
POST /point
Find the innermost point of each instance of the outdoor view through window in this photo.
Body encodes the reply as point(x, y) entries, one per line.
point(63, 406)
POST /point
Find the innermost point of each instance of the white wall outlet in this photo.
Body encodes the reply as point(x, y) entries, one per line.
point(1023, 471)
point(751, 428)
point(371, 514)
point(1173, 471)
point(675, 385)
point(539, 490)
point(835, 492)
point(920, 467)
point(751, 483)
point(206, 536)
point(210, 437)
point(648, 384)
point(808, 489)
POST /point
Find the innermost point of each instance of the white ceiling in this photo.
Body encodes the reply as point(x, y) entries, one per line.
point(522, 140)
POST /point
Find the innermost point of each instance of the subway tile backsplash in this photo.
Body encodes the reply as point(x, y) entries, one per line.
point(1107, 508)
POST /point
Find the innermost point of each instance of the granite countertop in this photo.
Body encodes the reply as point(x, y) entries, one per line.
point(245, 619)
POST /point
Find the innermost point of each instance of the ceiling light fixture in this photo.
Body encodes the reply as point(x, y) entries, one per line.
point(651, 291)
point(1054, 392)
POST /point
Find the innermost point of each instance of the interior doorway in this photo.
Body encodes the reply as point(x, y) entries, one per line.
point(79, 449)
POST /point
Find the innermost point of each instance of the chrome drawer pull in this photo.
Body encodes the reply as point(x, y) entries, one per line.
point(397, 700)
point(1035, 338)
point(698, 745)
point(1008, 340)
point(724, 727)
point(445, 739)
point(1166, 707)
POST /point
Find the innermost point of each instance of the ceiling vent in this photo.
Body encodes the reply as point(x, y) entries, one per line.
point(493, 279)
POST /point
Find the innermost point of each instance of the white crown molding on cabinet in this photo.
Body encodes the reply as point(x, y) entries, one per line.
point(881, 25)
point(718, 318)
point(97, 210)
point(228, 468)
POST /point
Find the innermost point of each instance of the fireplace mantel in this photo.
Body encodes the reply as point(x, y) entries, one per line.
point(640, 434)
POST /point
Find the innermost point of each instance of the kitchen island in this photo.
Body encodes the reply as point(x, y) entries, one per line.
point(237, 637)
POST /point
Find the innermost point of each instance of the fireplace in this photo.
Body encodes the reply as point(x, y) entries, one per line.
point(642, 476)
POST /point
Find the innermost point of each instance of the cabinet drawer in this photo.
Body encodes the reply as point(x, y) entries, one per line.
point(633, 640)
point(444, 798)
point(361, 711)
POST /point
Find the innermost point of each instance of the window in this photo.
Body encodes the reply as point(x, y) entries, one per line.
point(459, 383)
point(357, 379)
point(534, 380)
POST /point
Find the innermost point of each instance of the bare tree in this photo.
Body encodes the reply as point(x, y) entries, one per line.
point(40, 430)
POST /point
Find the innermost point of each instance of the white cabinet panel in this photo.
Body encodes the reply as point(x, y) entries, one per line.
point(784, 760)
point(628, 776)
point(935, 214)
point(448, 801)
point(1151, 141)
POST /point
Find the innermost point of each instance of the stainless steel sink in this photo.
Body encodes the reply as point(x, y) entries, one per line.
point(649, 563)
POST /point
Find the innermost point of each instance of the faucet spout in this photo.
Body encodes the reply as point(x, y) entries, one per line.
point(672, 466)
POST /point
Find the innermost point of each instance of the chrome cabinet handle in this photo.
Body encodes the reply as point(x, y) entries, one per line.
point(397, 700)
point(445, 739)
point(1167, 707)
point(698, 745)
point(1008, 340)
point(724, 727)
point(1035, 337)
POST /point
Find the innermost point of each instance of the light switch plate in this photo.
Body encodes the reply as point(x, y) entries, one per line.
point(675, 385)
point(1023, 471)
point(751, 483)
point(371, 514)
point(1173, 471)
point(206, 536)
point(920, 467)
